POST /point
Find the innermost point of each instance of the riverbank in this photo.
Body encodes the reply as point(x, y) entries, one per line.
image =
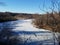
point(8, 16)
point(48, 22)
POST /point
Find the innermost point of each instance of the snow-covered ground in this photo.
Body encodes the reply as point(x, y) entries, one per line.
point(29, 33)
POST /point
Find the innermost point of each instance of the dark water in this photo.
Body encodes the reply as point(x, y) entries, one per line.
point(27, 33)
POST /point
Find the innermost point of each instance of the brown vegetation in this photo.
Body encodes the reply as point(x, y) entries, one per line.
point(8, 16)
point(48, 21)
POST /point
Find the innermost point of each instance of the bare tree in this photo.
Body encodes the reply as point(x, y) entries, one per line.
point(55, 5)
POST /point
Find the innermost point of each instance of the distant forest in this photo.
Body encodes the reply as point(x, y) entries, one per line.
point(8, 16)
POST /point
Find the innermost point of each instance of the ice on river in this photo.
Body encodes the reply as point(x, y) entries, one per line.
point(29, 33)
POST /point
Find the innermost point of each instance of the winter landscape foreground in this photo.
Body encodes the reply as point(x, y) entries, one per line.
point(29, 34)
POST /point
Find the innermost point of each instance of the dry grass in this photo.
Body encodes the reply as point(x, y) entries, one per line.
point(48, 22)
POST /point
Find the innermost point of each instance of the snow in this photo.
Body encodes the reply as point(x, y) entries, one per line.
point(28, 32)
point(26, 25)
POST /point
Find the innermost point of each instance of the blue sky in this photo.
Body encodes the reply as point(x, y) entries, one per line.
point(23, 6)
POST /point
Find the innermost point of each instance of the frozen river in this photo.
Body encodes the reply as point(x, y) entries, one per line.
point(30, 35)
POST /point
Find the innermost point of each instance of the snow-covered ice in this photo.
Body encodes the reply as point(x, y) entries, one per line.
point(28, 32)
point(26, 25)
